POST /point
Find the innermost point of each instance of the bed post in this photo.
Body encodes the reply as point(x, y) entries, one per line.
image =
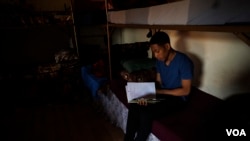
point(108, 39)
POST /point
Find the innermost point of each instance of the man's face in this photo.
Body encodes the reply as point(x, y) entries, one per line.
point(160, 52)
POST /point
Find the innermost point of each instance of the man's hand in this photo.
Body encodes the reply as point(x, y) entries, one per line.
point(142, 102)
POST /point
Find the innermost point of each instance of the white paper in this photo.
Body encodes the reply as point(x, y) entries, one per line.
point(139, 89)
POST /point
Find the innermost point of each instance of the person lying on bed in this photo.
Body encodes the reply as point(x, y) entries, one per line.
point(174, 73)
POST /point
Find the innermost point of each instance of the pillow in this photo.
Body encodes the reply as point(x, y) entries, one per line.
point(138, 64)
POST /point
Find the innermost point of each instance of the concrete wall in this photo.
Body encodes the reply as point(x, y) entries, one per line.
point(222, 61)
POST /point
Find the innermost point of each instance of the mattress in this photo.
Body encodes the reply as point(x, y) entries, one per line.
point(186, 12)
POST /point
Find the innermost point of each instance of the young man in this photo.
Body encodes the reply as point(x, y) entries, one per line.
point(174, 78)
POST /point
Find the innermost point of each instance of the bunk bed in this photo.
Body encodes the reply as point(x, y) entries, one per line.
point(184, 15)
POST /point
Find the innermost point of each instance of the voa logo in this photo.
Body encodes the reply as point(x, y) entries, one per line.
point(236, 132)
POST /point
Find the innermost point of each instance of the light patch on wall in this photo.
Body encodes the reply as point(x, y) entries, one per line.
point(226, 60)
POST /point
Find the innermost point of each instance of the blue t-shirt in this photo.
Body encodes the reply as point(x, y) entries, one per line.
point(181, 67)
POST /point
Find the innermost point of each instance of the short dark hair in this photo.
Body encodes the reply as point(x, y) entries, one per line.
point(159, 38)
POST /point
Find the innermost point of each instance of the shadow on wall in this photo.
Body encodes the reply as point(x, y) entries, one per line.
point(242, 80)
point(181, 45)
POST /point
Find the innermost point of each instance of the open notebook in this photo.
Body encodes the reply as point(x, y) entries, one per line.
point(136, 90)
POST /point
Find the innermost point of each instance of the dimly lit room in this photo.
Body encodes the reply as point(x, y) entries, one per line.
point(72, 70)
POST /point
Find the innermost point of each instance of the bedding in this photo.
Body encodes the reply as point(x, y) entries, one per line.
point(130, 57)
point(186, 12)
point(138, 70)
point(139, 76)
point(138, 64)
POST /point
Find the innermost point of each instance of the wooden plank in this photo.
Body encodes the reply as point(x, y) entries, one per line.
point(209, 28)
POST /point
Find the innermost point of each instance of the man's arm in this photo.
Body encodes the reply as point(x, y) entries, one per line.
point(183, 91)
point(158, 81)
